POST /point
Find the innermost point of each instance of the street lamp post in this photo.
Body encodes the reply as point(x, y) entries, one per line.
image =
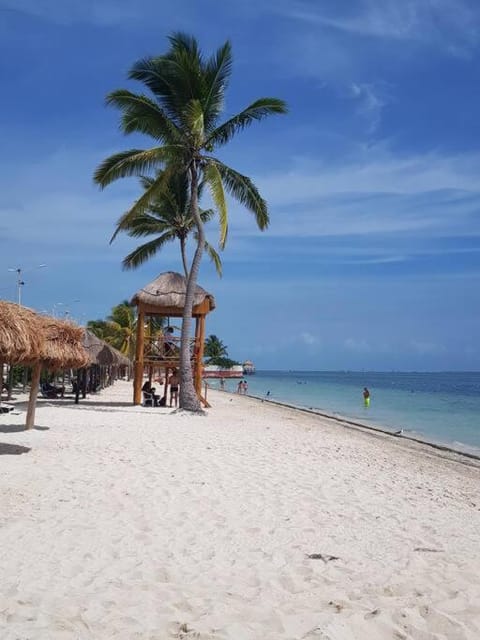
point(21, 282)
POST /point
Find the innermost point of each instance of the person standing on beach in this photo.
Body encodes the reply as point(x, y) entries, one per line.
point(245, 387)
point(173, 381)
point(366, 397)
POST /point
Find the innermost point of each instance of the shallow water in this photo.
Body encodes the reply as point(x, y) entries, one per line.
point(439, 407)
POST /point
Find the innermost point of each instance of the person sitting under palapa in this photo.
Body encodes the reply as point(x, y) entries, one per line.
point(49, 390)
point(150, 397)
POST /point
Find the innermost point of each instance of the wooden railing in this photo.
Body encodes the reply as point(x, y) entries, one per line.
point(166, 349)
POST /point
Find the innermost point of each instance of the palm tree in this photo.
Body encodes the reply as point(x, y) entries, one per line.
point(214, 349)
point(123, 323)
point(169, 219)
point(183, 118)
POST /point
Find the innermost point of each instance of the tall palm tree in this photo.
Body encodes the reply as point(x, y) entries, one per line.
point(183, 117)
point(168, 218)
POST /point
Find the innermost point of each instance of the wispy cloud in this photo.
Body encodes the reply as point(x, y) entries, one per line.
point(371, 100)
point(453, 24)
point(96, 12)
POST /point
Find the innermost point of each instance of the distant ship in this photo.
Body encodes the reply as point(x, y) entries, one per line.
point(248, 368)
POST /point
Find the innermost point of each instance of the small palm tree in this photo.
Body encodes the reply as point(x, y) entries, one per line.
point(123, 323)
point(183, 118)
point(214, 349)
point(168, 218)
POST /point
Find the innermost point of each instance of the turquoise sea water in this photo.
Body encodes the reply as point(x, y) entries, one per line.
point(438, 407)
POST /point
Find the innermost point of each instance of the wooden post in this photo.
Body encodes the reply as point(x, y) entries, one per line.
point(200, 343)
point(37, 370)
point(77, 388)
point(137, 382)
point(10, 381)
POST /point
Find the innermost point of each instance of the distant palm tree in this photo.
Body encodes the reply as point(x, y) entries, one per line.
point(123, 323)
point(168, 218)
point(214, 349)
point(183, 118)
point(101, 328)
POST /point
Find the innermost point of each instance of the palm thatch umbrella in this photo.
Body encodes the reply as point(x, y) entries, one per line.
point(20, 331)
point(102, 353)
point(60, 347)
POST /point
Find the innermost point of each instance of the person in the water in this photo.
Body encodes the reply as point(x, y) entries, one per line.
point(366, 397)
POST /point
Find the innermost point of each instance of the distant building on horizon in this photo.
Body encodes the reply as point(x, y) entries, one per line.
point(248, 368)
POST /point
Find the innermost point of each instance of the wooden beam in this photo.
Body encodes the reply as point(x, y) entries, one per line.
point(137, 383)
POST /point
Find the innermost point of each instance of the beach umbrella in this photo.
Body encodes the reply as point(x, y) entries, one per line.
point(61, 346)
point(20, 334)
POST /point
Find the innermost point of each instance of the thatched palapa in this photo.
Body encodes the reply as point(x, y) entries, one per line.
point(102, 353)
point(165, 297)
point(62, 346)
point(20, 334)
point(168, 291)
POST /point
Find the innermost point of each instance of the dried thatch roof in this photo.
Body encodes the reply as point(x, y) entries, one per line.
point(20, 334)
point(168, 290)
point(27, 337)
point(101, 353)
point(62, 345)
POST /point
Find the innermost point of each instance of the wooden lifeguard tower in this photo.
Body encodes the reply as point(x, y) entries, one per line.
point(164, 297)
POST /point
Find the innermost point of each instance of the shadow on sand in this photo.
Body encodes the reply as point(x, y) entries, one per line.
point(16, 428)
point(12, 449)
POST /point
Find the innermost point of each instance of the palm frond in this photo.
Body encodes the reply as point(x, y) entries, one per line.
point(217, 72)
point(142, 204)
point(244, 191)
point(133, 162)
point(144, 252)
point(215, 258)
point(258, 110)
point(143, 115)
point(214, 180)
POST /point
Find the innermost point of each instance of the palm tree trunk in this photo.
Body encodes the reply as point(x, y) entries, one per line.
point(184, 256)
point(188, 399)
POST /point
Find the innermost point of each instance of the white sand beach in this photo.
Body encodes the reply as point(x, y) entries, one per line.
point(137, 524)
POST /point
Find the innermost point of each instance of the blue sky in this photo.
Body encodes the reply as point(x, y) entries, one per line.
point(372, 257)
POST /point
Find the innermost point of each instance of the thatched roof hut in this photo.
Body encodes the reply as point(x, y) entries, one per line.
point(62, 346)
point(102, 353)
point(165, 297)
point(167, 292)
point(20, 334)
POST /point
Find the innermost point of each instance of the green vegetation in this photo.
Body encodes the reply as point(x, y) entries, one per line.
point(168, 218)
point(182, 118)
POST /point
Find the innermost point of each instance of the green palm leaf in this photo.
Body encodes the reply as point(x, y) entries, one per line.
point(144, 252)
point(214, 181)
point(244, 191)
point(258, 110)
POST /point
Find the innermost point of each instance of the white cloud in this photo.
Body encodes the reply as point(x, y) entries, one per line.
point(98, 12)
point(358, 346)
point(450, 24)
point(309, 339)
point(427, 348)
point(370, 103)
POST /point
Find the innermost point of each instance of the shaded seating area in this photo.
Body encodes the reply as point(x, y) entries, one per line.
point(49, 390)
point(159, 355)
point(105, 365)
point(42, 342)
